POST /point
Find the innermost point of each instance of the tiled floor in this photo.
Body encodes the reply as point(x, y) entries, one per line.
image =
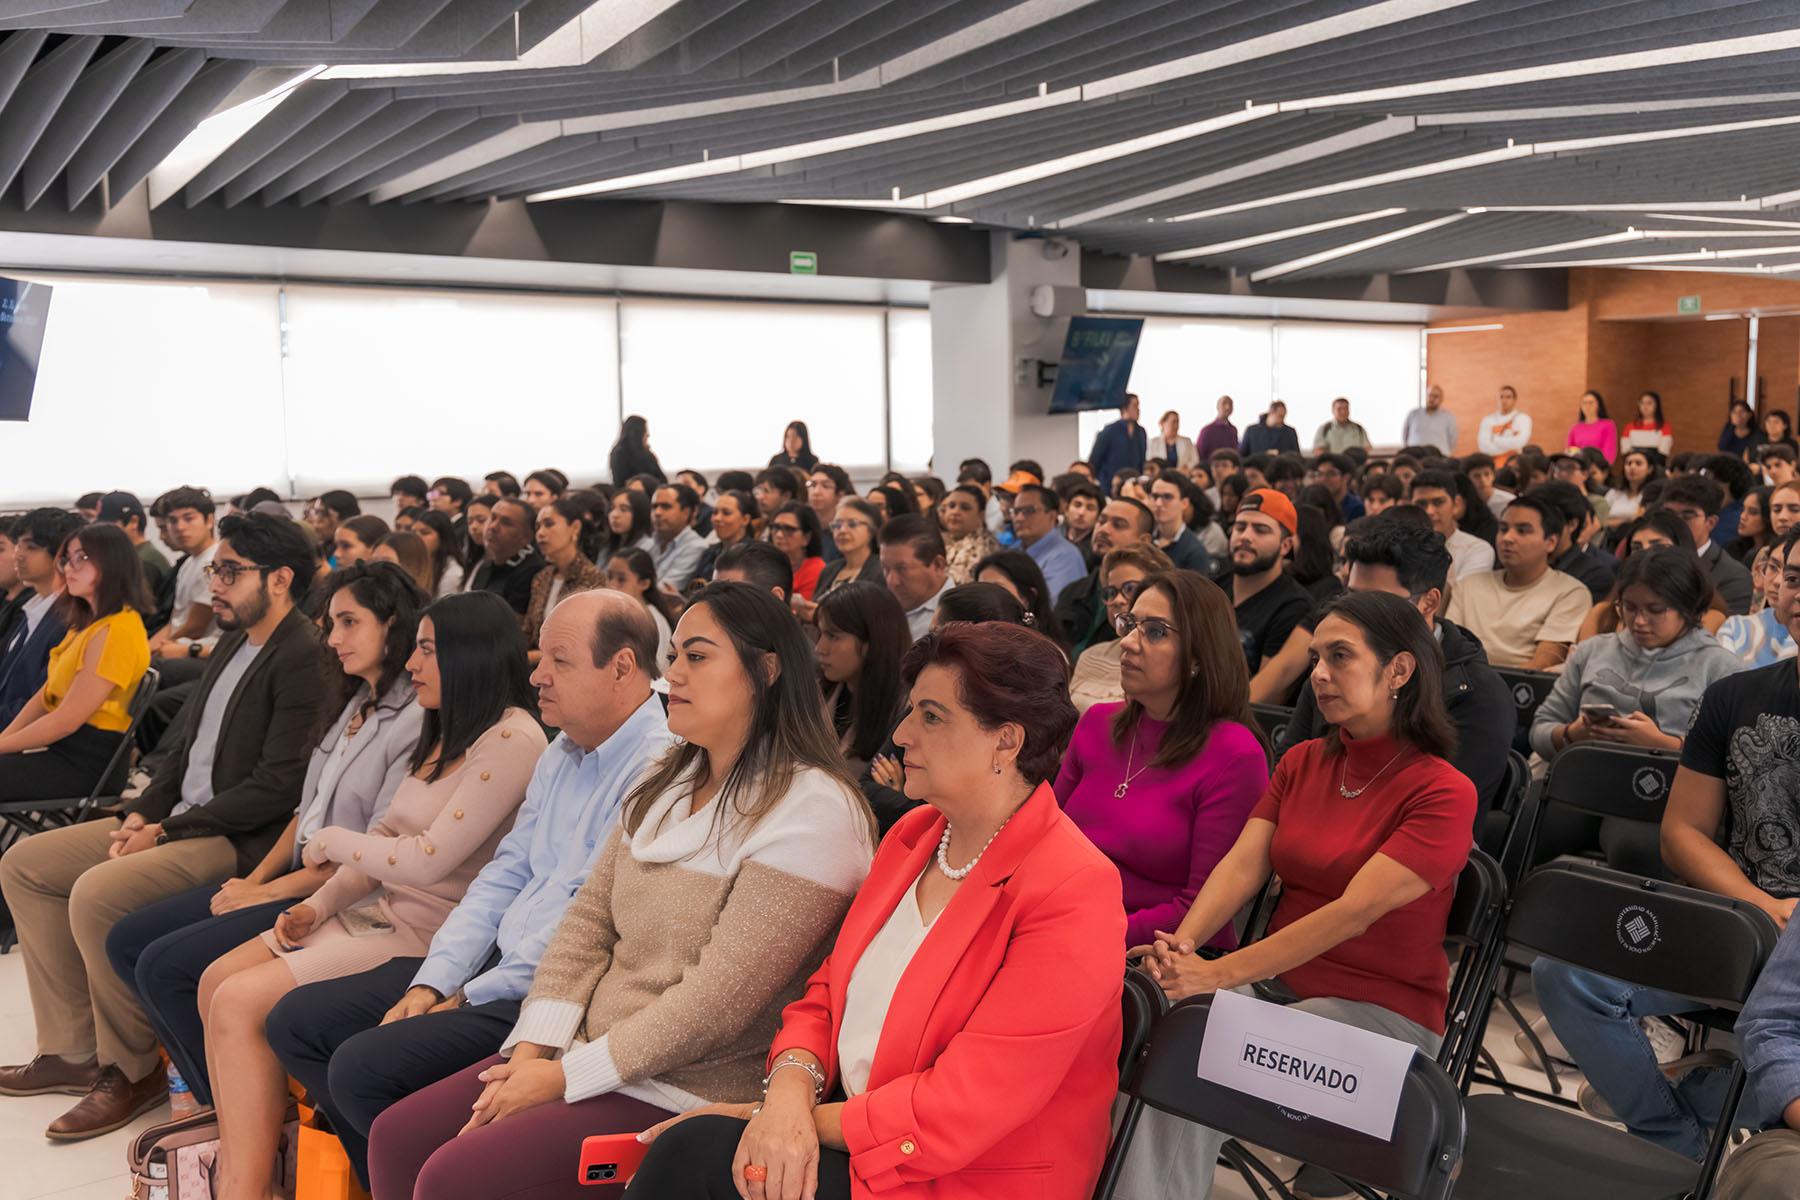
point(32, 1168)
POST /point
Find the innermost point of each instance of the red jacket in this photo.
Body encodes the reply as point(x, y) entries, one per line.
point(997, 1066)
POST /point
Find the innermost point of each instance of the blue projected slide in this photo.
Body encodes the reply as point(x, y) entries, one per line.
point(1096, 363)
point(24, 308)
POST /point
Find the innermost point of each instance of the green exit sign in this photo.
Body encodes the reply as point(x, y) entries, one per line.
point(805, 262)
point(1687, 304)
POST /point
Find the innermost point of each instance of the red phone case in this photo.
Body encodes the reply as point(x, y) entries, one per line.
point(610, 1158)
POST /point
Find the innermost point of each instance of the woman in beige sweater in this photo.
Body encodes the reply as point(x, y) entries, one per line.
point(393, 885)
point(735, 859)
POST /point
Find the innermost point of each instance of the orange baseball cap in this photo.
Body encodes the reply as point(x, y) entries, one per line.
point(1019, 479)
point(1271, 503)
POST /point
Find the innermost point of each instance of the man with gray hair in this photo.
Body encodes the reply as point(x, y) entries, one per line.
point(361, 1043)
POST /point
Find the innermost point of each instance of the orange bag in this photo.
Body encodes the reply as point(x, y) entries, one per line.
point(325, 1172)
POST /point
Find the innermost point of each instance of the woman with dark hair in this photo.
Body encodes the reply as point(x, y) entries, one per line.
point(631, 454)
point(1778, 429)
point(1164, 781)
point(371, 616)
point(633, 572)
point(1368, 828)
point(853, 531)
point(1313, 562)
point(628, 523)
point(1638, 469)
point(562, 531)
point(1761, 637)
point(1754, 533)
point(960, 514)
point(862, 636)
point(60, 742)
point(1096, 678)
point(1658, 527)
point(978, 604)
point(734, 518)
point(929, 491)
point(732, 863)
point(1649, 431)
point(1018, 573)
point(543, 487)
point(480, 508)
point(1740, 437)
point(406, 551)
point(796, 449)
point(794, 530)
point(996, 1030)
point(1315, 495)
point(439, 533)
point(1592, 427)
point(356, 538)
point(392, 886)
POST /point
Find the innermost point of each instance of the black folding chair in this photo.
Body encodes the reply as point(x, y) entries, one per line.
point(1274, 720)
point(1497, 822)
point(1695, 944)
point(1529, 689)
point(22, 818)
point(1418, 1163)
point(1144, 1003)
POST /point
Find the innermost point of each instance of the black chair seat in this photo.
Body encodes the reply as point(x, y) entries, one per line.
point(1521, 1150)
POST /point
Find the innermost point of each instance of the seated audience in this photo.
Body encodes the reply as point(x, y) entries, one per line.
point(1733, 814)
point(735, 858)
point(862, 636)
point(511, 562)
point(978, 604)
point(1697, 500)
point(628, 523)
point(562, 531)
point(1174, 501)
point(761, 564)
point(827, 484)
point(1268, 602)
point(675, 548)
point(127, 512)
point(13, 590)
point(1402, 560)
point(1034, 513)
point(475, 536)
point(406, 551)
point(966, 537)
point(1018, 573)
point(1658, 527)
point(39, 628)
point(1081, 505)
point(187, 524)
point(408, 491)
point(356, 539)
point(1096, 678)
point(444, 543)
point(1163, 782)
point(394, 884)
point(1314, 564)
point(59, 743)
point(499, 483)
point(634, 573)
point(1754, 534)
point(733, 517)
point(1638, 469)
point(794, 530)
point(211, 812)
point(1575, 556)
point(1079, 607)
point(1764, 1168)
point(854, 531)
point(1368, 828)
point(1761, 637)
point(1525, 614)
point(1026, 1006)
point(1436, 492)
point(544, 487)
point(776, 486)
point(913, 567)
point(371, 619)
point(1381, 492)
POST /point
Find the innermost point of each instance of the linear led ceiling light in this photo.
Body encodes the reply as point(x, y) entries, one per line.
point(1349, 248)
point(1279, 235)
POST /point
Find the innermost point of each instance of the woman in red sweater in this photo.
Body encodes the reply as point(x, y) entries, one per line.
point(1368, 828)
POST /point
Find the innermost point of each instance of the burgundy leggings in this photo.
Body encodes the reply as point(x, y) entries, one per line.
point(415, 1154)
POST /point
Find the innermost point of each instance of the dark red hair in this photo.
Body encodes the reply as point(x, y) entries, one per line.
point(1005, 674)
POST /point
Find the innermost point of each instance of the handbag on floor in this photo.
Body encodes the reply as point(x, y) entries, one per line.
point(178, 1160)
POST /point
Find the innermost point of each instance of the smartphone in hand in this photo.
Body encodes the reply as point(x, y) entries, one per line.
point(610, 1158)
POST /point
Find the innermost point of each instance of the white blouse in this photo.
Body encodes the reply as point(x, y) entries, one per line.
point(872, 986)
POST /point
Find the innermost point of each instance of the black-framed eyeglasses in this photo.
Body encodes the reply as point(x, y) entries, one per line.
point(780, 528)
point(1128, 590)
point(228, 572)
point(1156, 631)
point(74, 558)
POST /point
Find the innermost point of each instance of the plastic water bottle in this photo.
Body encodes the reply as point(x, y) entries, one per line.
point(181, 1098)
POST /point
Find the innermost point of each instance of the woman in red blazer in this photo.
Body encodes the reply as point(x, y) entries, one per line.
point(962, 1039)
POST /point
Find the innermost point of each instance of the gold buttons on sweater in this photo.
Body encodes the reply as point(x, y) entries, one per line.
point(431, 849)
point(392, 860)
point(907, 1147)
point(505, 733)
point(357, 856)
point(486, 775)
point(457, 815)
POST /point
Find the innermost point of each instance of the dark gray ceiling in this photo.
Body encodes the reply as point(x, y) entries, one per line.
point(1219, 131)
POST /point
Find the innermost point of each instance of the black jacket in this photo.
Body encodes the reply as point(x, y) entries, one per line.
point(1083, 614)
point(1730, 578)
point(1480, 707)
point(265, 741)
point(627, 461)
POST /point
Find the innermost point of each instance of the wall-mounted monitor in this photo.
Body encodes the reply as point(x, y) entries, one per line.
point(1096, 363)
point(24, 308)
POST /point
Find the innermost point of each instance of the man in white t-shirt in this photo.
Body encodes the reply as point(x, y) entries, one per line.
point(1435, 492)
point(186, 515)
point(1505, 431)
point(1526, 614)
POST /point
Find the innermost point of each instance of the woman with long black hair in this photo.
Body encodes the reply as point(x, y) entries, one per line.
point(631, 454)
point(796, 448)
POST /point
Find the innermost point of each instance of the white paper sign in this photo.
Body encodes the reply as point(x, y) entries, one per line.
point(1305, 1063)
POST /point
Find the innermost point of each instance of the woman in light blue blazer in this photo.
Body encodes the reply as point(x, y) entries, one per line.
point(372, 616)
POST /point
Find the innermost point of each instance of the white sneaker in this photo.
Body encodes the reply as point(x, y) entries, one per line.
point(1552, 1044)
point(1665, 1039)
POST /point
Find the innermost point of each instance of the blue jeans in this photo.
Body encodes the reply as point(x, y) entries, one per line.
point(1597, 1019)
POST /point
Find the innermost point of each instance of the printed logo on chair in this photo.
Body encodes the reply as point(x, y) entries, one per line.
point(1650, 783)
point(1305, 1063)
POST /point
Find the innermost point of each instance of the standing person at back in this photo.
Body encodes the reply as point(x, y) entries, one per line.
point(1432, 425)
point(1271, 434)
point(1169, 447)
point(1267, 600)
point(1505, 431)
point(1340, 433)
point(1121, 445)
point(1526, 614)
point(1219, 433)
point(631, 454)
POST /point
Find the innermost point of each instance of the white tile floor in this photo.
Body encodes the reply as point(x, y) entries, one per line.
point(32, 1168)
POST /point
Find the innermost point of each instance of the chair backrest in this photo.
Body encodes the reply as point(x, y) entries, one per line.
point(1476, 913)
point(1612, 781)
point(1274, 720)
point(1528, 688)
point(111, 779)
point(1144, 1002)
point(1706, 947)
point(1495, 828)
point(1513, 783)
point(1420, 1161)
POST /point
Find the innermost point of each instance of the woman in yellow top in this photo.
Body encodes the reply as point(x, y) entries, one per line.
point(61, 740)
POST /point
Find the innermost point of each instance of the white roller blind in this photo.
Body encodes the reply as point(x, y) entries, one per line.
point(909, 389)
point(383, 382)
point(1186, 365)
point(148, 386)
point(1375, 367)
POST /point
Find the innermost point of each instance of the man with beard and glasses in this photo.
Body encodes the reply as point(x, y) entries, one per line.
point(211, 812)
point(1268, 601)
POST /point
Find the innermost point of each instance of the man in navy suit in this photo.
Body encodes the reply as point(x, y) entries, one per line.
point(1119, 445)
point(25, 653)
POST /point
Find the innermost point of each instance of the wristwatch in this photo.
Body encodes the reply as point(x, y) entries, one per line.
point(162, 839)
point(193, 649)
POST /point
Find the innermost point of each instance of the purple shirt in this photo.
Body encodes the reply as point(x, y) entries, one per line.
point(1219, 435)
point(1173, 824)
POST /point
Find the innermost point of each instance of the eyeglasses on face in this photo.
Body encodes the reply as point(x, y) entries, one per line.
point(1127, 590)
point(228, 572)
point(779, 527)
point(1156, 631)
point(843, 523)
point(74, 558)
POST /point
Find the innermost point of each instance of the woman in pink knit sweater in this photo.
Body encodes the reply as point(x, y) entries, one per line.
point(393, 885)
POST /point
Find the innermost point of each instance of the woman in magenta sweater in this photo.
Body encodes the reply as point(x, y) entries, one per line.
point(1593, 427)
point(1164, 782)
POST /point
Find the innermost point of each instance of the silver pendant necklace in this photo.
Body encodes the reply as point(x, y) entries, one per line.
point(1125, 784)
point(1351, 794)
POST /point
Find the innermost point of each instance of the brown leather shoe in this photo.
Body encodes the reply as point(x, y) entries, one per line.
point(48, 1074)
point(113, 1103)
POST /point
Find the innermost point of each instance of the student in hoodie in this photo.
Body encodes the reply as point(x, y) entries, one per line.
point(1651, 672)
point(1389, 554)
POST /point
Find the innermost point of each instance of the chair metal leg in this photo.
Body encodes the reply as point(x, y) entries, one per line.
point(1537, 1047)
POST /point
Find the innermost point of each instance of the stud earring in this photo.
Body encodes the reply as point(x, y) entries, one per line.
point(996, 768)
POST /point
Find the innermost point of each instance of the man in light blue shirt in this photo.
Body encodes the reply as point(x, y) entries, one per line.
point(361, 1043)
point(1769, 1034)
point(1035, 514)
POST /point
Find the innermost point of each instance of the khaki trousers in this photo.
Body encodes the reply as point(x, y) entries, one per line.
point(65, 895)
point(1767, 1168)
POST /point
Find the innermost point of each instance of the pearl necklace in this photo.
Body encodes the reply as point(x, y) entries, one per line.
point(943, 853)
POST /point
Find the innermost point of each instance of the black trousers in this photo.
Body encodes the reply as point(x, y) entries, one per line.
point(692, 1161)
point(162, 950)
point(330, 1037)
point(67, 768)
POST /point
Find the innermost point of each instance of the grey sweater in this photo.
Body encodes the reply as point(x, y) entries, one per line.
point(1610, 669)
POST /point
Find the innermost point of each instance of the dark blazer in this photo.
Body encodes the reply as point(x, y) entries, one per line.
point(266, 739)
point(1116, 447)
point(1729, 577)
point(828, 578)
point(22, 671)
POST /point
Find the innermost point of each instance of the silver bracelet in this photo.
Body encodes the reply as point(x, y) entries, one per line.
point(818, 1076)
